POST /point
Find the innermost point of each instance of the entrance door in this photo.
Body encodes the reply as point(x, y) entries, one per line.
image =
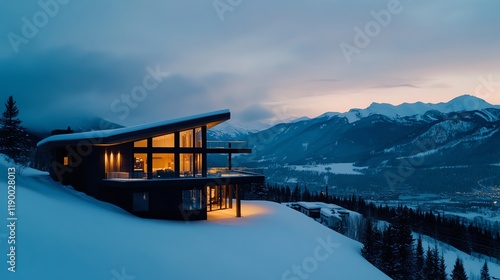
point(217, 197)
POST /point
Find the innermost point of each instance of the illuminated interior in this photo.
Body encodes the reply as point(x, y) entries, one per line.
point(165, 155)
point(186, 138)
point(140, 165)
point(141, 144)
point(163, 165)
point(199, 164)
point(164, 141)
point(198, 140)
point(186, 162)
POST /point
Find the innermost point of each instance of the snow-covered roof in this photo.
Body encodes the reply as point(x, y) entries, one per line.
point(329, 212)
point(312, 205)
point(134, 133)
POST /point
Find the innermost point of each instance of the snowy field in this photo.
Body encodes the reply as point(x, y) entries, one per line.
point(63, 234)
point(335, 168)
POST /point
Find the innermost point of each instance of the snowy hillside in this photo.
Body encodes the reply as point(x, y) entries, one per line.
point(63, 234)
point(472, 264)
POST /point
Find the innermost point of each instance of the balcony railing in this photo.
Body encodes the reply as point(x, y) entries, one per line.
point(227, 144)
point(223, 171)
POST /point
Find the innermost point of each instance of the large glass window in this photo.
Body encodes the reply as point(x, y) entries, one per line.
point(199, 165)
point(186, 138)
point(164, 141)
point(140, 165)
point(192, 200)
point(186, 162)
point(141, 144)
point(163, 166)
point(198, 137)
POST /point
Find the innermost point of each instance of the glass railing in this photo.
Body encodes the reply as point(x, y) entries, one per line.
point(239, 171)
point(161, 174)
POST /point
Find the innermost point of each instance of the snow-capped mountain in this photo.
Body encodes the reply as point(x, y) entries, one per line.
point(459, 104)
point(230, 130)
point(462, 132)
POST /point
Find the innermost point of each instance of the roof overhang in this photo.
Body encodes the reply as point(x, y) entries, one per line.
point(129, 134)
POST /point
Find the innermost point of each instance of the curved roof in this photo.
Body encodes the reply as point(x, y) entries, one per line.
point(134, 133)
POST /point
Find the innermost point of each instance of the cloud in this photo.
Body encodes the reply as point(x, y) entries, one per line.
point(263, 53)
point(255, 113)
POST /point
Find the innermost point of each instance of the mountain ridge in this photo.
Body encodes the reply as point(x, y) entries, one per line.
point(458, 104)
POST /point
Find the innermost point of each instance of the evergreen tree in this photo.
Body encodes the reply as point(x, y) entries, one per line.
point(430, 268)
point(485, 272)
point(388, 254)
point(296, 193)
point(403, 265)
point(442, 269)
point(368, 250)
point(13, 138)
point(420, 260)
point(306, 195)
point(458, 272)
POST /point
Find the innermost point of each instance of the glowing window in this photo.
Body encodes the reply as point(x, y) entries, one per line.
point(186, 162)
point(164, 141)
point(186, 138)
point(163, 166)
point(141, 144)
point(140, 165)
point(198, 137)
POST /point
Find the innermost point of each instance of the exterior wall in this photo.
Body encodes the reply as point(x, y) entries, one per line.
point(164, 198)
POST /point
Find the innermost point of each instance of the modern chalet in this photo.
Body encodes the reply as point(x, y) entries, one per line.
point(157, 170)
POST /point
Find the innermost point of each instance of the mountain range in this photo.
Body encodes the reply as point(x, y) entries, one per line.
point(434, 140)
point(439, 147)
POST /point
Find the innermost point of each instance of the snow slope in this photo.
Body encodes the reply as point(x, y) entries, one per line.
point(472, 264)
point(63, 234)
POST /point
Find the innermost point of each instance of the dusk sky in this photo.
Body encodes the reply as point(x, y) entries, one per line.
point(143, 61)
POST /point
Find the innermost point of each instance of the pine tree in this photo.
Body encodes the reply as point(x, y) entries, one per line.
point(442, 269)
point(430, 268)
point(485, 273)
point(404, 264)
point(419, 256)
point(13, 138)
point(388, 254)
point(368, 250)
point(458, 272)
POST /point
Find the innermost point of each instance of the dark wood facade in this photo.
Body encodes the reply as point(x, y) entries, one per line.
point(153, 171)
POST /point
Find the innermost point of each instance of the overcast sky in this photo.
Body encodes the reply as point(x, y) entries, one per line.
point(266, 60)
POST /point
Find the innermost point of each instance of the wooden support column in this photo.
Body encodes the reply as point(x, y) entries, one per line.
point(238, 201)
